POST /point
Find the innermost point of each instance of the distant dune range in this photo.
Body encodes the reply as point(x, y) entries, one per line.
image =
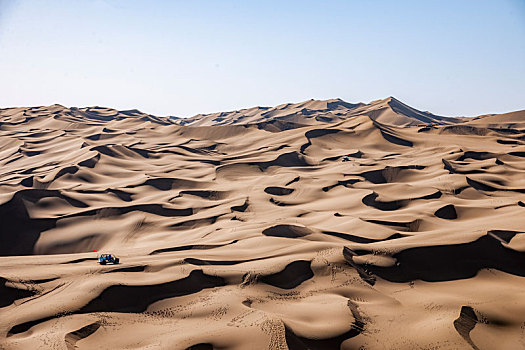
point(247, 230)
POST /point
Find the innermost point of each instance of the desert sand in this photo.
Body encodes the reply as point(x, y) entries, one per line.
point(246, 230)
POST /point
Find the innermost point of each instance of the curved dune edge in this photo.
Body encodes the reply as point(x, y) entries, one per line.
point(317, 225)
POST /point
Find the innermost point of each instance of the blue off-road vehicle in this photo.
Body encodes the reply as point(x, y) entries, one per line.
point(104, 259)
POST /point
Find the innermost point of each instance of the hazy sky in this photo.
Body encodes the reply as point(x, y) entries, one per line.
point(186, 57)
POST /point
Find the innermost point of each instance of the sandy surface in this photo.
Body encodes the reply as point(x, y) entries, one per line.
point(246, 230)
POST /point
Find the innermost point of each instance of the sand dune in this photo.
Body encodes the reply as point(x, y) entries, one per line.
point(247, 230)
point(510, 120)
point(314, 112)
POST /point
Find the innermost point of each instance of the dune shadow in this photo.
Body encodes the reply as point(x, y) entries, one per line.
point(291, 276)
point(452, 262)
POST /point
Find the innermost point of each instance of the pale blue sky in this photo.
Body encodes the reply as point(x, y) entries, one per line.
point(187, 57)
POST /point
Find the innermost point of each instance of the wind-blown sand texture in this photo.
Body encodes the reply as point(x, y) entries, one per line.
point(245, 230)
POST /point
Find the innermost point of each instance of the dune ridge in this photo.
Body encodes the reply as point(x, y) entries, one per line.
point(312, 225)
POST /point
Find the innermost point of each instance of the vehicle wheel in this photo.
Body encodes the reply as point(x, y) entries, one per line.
point(117, 260)
point(102, 263)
